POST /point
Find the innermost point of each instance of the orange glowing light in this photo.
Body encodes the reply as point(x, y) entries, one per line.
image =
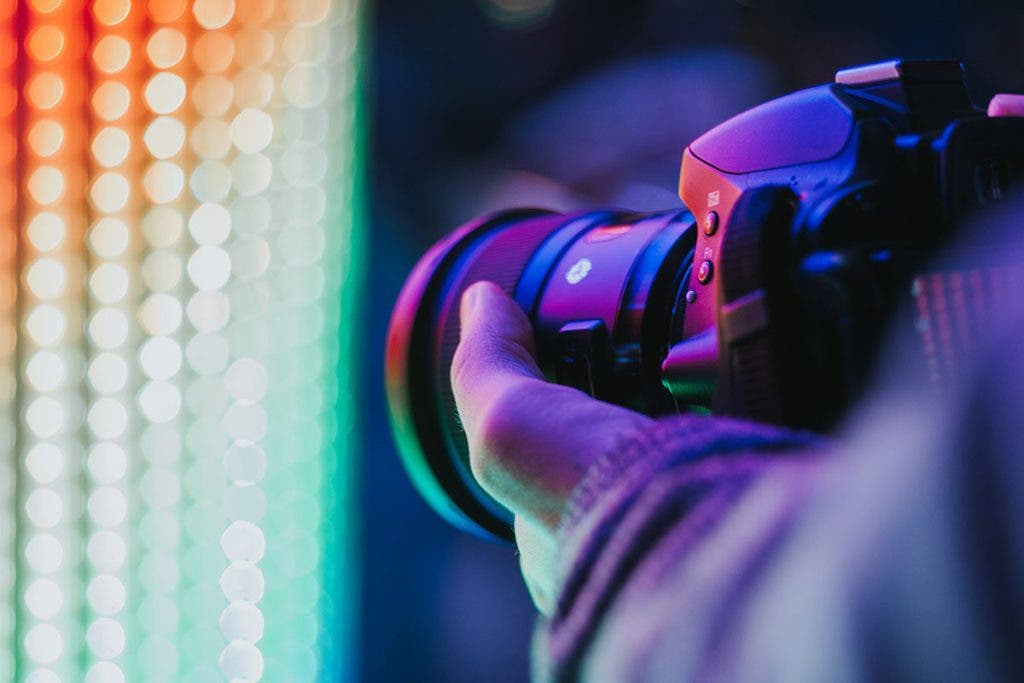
point(213, 52)
point(45, 43)
point(111, 12)
point(45, 6)
point(46, 90)
point(166, 11)
point(111, 54)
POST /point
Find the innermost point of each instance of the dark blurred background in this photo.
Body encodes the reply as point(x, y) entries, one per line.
point(478, 105)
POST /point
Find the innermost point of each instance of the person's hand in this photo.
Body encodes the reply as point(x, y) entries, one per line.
point(530, 441)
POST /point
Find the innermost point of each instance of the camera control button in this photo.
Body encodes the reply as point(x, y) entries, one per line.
point(710, 223)
point(705, 272)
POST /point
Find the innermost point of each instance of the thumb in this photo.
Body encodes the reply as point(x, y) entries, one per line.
point(529, 441)
point(1006, 105)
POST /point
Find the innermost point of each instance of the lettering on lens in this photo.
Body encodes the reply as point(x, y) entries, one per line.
point(579, 270)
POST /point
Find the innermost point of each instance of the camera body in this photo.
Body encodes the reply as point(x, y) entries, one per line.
point(812, 218)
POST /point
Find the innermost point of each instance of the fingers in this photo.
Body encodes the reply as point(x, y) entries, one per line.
point(529, 441)
point(1006, 105)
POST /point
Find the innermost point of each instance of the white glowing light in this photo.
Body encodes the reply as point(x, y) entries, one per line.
point(46, 278)
point(108, 418)
point(211, 139)
point(210, 224)
point(246, 380)
point(105, 672)
point(160, 314)
point(45, 416)
point(109, 237)
point(160, 401)
point(252, 130)
point(163, 181)
point(208, 353)
point(163, 226)
point(245, 463)
point(164, 137)
point(111, 100)
point(109, 283)
point(44, 462)
point(44, 598)
point(242, 621)
point(245, 421)
point(213, 14)
point(166, 47)
point(251, 174)
point(45, 324)
point(107, 506)
point(44, 553)
point(108, 373)
point(106, 594)
point(160, 358)
point(106, 638)
point(242, 581)
point(209, 268)
point(107, 463)
point(108, 328)
point(46, 137)
point(106, 551)
point(243, 542)
point(46, 231)
point(44, 643)
point(241, 660)
point(111, 146)
point(165, 92)
point(110, 192)
point(44, 508)
point(210, 181)
point(45, 371)
point(46, 184)
point(161, 271)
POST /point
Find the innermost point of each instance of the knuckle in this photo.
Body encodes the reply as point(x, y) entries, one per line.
point(496, 438)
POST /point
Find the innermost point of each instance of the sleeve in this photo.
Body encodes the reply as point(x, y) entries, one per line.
point(694, 499)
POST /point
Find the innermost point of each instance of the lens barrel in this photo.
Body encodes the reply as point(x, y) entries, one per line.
point(604, 292)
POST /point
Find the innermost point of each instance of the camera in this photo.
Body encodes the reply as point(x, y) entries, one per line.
point(810, 220)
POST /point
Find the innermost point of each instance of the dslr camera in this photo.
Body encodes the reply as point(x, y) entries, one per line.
point(810, 220)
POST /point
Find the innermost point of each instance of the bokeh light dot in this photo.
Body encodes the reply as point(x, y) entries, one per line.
point(160, 314)
point(46, 184)
point(111, 100)
point(46, 278)
point(107, 462)
point(209, 311)
point(107, 506)
point(161, 270)
point(107, 551)
point(109, 237)
point(251, 173)
point(110, 147)
point(160, 358)
point(166, 47)
point(241, 661)
point(46, 43)
point(305, 86)
point(254, 46)
point(46, 325)
point(207, 353)
point(109, 282)
point(250, 258)
point(210, 224)
point(110, 192)
point(166, 11)
point(209, 267)
point(106, 594)
point(254, 88)
point(108, 418)
point(243, 542)
point(108, 328)
point(46, 137)
point(307, 12)
point(164, 137)
point(163, 181)
point(245, 421)
point(165, 92)
point(213, 14)
point(111, 54)
point(44, 553)
point(108, 373)
point(44, 462)
point(213, 52)
point(163, 226)
point(111, 12)
point(45, 416)
point(46, 90)
point(251, 215)
point(252, 130)
point(46, 231)
point(242, 621)
point(105, 637)
point(245, 463)
point(246, 380)
point(44, 508)
point(160, 401)
point(105, 672)
point(211, 138)
point(242, 581)
point(212, 96)
point(244, 502)
point(45, 371)
point(210, 182)
point(44, 644)
point(44, 598)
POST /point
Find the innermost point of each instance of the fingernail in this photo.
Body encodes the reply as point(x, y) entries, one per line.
point(471, 302)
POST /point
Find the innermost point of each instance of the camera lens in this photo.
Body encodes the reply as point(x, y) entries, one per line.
point(604, 291)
